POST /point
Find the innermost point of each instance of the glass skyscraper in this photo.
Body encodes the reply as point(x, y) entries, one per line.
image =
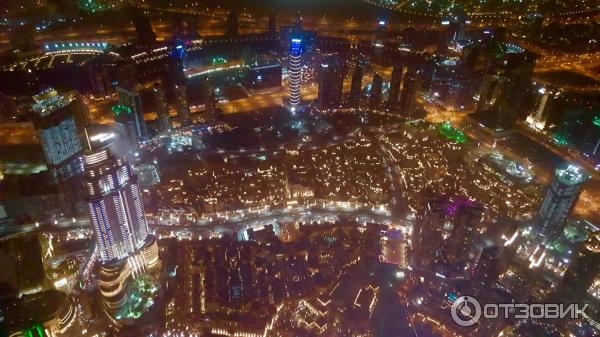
point(115, 205)
point(56, 120)
point(560, 199)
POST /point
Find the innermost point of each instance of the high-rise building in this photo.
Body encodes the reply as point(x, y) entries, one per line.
point(331, 82)
point(143, 28)
point(578, 123)
point(456, 24)
point(395, 85)
point(376, 89)
point(178, 83)
point(505, 88)
point(130, 115)
point(162, 108)
point(464, 216)
point(115, 205)
point(181, 104)
point(445, 231)
point(403, 90)
point(356, 85)
point(232, 24)
point(60, 123)
point(583, 269)
point(100, 80)
point(560, 199)
point(496, 258)
point(210, 100)
point(544, 96)
point(408, 94)
point(295, 72)
point(427, 235)
point(488, 267)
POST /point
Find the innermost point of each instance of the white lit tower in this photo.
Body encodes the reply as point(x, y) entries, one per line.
point(115, 205)
point(560, 199)
point(295, 72)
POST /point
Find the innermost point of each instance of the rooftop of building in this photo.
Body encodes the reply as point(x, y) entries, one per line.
point(49, 100)
point(571, 174)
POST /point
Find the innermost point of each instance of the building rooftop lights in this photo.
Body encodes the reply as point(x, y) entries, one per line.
point(571, 174)
point(119, 108)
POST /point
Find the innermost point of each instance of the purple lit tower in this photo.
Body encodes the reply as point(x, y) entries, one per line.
point(115, 205)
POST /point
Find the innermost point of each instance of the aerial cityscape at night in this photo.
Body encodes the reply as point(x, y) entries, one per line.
point(300, 168)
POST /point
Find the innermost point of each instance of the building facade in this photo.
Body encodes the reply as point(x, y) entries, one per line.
point(60, 126)
point(115, 205)
point(331, 81)
point(560, 199)
point(295, 72)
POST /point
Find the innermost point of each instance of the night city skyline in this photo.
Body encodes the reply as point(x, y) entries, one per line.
point(342, 168)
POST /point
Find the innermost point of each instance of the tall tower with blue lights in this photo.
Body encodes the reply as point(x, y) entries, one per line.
point(560, 199)
point(295, 72)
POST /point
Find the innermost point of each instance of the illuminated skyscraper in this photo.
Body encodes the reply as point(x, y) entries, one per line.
point(560, 199)
point(376, 88)
point(115, 205)
point(59, 123)
point(331, 81)
point(295, 72)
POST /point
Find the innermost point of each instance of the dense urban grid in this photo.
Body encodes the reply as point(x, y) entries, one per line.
point(268, 168)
